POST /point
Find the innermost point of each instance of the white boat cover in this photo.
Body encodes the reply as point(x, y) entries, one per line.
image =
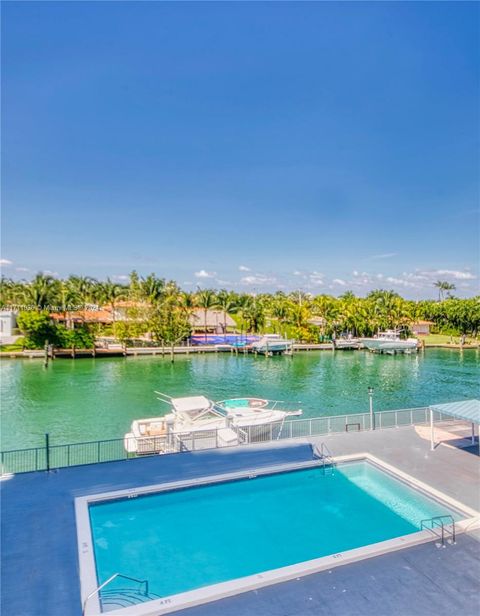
point(191, 404)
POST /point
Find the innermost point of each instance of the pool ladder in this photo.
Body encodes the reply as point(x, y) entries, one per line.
point(324, 454)
point(445, 524)
point(120, 597)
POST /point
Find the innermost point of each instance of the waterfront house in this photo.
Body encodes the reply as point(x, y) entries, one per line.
point(216, 321)
point(102, 316)
point(421, 328)
point(8, 323)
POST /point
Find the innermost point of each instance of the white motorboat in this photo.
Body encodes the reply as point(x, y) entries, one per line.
point(390, 342)
point(196, 418)
point(270, 344)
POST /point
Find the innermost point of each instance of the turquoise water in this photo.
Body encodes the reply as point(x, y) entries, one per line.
point(191, 538)
point(90, 399)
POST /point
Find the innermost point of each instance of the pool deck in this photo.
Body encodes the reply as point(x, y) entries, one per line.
point(39, 550)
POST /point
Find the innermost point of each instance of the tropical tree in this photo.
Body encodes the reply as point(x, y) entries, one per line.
point(253, 314)
point(83, 288)
point(41, 292)
point(206, 300)
point(278, 309)
point(110, 293)
point(443, 286)
point(169, 323)
point(226, 302)
point(152, 288)
point(38, 329)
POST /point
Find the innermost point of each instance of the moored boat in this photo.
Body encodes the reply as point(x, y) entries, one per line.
point(198, 418)
point(390, 342)
point(270, 344)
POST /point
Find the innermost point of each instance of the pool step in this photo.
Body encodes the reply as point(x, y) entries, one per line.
point(115, 598)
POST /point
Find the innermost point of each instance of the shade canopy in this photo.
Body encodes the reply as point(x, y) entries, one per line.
point(469, 410)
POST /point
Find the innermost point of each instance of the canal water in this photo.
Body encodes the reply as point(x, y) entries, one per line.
point(90, 399)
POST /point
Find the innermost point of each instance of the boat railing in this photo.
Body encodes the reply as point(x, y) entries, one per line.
point(54, 456)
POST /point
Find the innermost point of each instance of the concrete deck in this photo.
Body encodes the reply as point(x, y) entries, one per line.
point(39, 552)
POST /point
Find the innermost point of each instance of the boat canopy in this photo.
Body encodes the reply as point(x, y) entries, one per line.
point(192, 404)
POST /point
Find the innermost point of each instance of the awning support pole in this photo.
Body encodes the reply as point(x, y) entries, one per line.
point(432, 429)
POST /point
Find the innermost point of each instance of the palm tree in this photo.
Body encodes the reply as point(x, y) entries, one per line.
point(42, 291)
point(83, 287)
point(279, 310)
point(110, 293)
point(253, 314)
point(206, 300)
point(442, 286)
point(226, 302)
point(151, 288)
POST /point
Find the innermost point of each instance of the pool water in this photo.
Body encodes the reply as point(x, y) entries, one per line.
point(190, 538)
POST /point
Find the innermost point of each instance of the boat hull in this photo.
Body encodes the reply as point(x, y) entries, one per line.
point(384, 346)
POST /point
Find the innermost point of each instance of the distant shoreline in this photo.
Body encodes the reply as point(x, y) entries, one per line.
point(195, 350)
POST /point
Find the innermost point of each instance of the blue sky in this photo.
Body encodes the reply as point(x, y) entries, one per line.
point(258, 146)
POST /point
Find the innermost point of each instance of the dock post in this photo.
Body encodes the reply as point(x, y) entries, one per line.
point(46, 354)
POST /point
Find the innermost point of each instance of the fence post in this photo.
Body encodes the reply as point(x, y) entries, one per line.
point(47, 450)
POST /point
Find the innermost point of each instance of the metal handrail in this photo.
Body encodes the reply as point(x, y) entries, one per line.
point(438, 521)
point(110, 579)
point(325, 455)
point(108, 450)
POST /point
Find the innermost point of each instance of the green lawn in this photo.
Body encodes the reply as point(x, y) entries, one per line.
point(445, 339)
point(12, 348)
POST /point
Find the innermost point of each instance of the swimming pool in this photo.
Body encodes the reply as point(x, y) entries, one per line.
point(192, 538)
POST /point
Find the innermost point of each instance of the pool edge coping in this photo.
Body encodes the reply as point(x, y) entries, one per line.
point(213, 592)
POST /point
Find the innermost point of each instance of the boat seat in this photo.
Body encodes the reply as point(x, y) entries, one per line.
point(156, 431)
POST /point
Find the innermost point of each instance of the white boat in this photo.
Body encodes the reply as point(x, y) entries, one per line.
point(210, 424)
point(390, 342)
point(346, 343)
point(272, 343)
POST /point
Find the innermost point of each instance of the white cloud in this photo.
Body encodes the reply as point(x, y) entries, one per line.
point(5, 262)
point(297, 273)
point(50, 273)
point(204, 274)
point(22, 269)
point(386, 255)
point(458, 275)
point(429, 275)
point(244, 268)
point(258, 279)
point(121, 277)
point(316, 278)
point(339, 281)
